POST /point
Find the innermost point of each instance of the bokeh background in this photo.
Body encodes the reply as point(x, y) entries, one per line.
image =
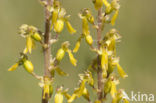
point(137, 51)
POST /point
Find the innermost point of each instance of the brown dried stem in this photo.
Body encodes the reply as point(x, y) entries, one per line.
point(47, 51)
point(99, 69)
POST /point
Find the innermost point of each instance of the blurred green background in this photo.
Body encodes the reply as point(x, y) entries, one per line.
point(137, 51)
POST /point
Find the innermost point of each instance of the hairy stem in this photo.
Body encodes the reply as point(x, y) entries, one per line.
point(99, 70)
point(47, 51)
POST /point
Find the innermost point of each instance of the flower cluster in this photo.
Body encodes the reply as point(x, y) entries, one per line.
point(33, 35)
point(107, 59)
point(105, 62)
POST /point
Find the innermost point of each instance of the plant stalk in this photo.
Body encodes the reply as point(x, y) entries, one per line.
point(47, 51)
point(99, 69)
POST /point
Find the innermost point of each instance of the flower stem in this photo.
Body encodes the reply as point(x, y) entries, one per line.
point(99, 70)
point(47, 51)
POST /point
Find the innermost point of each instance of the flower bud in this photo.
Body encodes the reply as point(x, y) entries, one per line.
point(106, 3)
point(28, 66)
point(58, 98)
point(71, 57)
point(89, 39)
point(107, 86)
point(91, 19)
point(46, 91)
point(86, 94)
point(60, 54)
point(109, 9)
point(13, 67)
point(25, 51)
point(54, 16)
point(36, 36)
point(77, 46)
point(70, 28)
point(98, 4)
point(121, 71)
point(108, 6)
point(62, 13)
point(50, 90)
point(59, 25)
point(85, 26)
point(60, 72)
point(29, 43)
point(104, 59)
point(112, 64)
point(72, 98)
point(89, 16)
point(104, 73)
point(114, 17)
point(113, 89)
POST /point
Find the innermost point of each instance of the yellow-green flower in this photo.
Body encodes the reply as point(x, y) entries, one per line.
point(58, 97)
point(59, 25)
point(97, 4)
point(77, 46)
point(114, 17)
point(28, 66)
point(13, 67)
point(60, 54)
point(70, 28)
point(29, 44)
point(89, 39)
point(121, 71)
point(71, 57)
point(36, 36)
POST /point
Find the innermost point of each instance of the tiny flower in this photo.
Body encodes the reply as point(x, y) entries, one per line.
point(113, 90)
point(114, 17)
point(86, 94)
point(45, 84)
point(29, 44)
point(46, 91)
point(62, 13)
point(60, 72)
point(87, 13)
point(58, 97)
point(71, 57)
point(77, 46)
point(54, 16)
point(28, 66)
point(81, 88)
point(108, 6)
point(115, 4)
point(36, 36)
point(60, 54)
point(59, 25)
point(89, 39)
point(106, 3)
point(13, 67)
point(85, 26)
point(70, 28)
point(90, 78)
point(121, 71)
point(107, 86)
point(25, 51)
point(72, 98)
point(97, 4)
point(104, 59)
point(68, 96)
